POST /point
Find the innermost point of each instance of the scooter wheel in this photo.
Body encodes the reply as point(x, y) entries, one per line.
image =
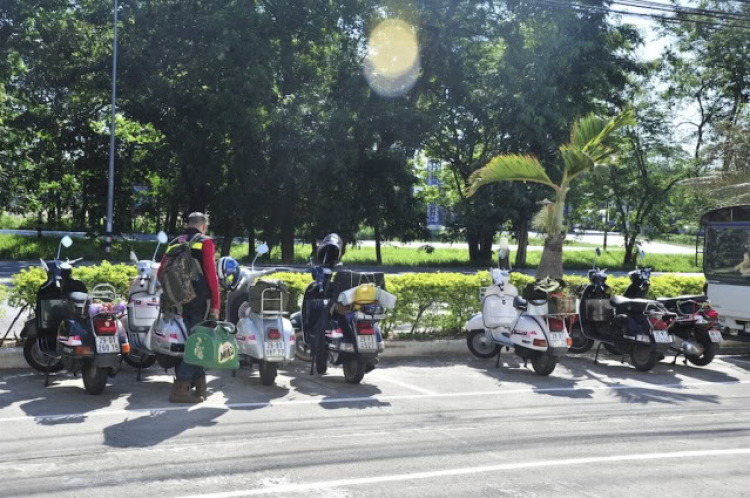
point(480, 346)
point(37, 360)
point(709, 351)
point(580, 343)
point(544, 364)
point(643, 358)
point(94, 378)
point(354, 370)
point(268, 373)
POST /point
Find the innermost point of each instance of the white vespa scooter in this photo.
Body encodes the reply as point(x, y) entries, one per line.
point(509, 321)
point(144, 297)
point(258, 308)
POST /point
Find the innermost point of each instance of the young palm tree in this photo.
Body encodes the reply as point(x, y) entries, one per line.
point(590, 146)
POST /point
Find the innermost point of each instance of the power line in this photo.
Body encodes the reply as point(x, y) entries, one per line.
point(656, 6)
point(604, 10)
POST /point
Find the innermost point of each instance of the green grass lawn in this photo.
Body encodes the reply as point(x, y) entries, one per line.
point(459, 257)
point(19, 247)
point(16, 247)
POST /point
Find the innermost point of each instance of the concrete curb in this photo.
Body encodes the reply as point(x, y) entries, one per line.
point(13, 357)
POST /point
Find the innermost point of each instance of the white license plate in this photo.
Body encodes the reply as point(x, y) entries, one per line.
point(107, 344)
point(662, 336)
point(274, 349)
point(715, 336)
point(558, 339)
point(366, 342)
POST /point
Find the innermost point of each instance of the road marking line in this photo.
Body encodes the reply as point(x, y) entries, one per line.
point(291, 488)
point(380, 376)
point(361, 399)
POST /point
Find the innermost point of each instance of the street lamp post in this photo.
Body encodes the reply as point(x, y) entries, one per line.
point(111, 182)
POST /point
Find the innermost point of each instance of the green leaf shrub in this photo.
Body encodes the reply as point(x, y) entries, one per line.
point(427, 302)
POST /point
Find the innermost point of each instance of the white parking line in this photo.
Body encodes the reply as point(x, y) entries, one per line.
point(292, 488)
point(380, 376)
point(357, 399)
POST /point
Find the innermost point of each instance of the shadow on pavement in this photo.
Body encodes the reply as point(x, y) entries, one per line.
point(334, 389)
point(245, 391)
point(155, 428)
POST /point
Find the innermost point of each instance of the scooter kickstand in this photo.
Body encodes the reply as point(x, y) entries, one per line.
point(596, 357)
point(46, 377)
point(674, 362)
point(497, 362)
point(622, 359)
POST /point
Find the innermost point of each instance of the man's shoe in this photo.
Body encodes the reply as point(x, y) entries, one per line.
point(180, 393)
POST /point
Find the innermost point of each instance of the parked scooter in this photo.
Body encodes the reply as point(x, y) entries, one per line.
point(530, 327)
point(39, 333)
point(258, 307)
point(92, 340)
point(696, 328)
point(340, 315)
point(144, 297)
point(638, 327)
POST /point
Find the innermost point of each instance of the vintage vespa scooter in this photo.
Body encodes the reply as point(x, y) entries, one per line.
point(258, 307)
point(535, 328)
point(144, 297)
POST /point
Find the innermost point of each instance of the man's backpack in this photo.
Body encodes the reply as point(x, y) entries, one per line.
point(179, 272)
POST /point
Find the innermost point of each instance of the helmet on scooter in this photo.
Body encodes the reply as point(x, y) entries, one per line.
point(329, 250)
point(228, 271)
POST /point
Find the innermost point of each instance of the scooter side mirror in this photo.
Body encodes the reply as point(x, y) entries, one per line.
point(262, 249)
point(161, 237)
point(598, 252)
point(65, 241)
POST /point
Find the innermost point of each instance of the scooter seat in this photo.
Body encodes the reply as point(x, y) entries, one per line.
point(78, 298)
point(623, 304)
point(671, 302)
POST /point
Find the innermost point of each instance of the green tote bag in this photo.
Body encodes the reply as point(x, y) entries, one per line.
point(212, 345)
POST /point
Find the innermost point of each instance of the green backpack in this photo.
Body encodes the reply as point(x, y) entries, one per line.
point(212, 345)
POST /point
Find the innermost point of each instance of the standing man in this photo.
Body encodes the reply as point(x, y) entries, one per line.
point(206, 302)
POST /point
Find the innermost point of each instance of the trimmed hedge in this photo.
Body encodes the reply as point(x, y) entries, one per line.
point(427, 302)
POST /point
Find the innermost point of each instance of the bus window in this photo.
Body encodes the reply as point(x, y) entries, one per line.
point(727, 252)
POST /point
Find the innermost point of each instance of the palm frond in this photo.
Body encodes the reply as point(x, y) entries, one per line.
point(509, 167)
point(591, 136)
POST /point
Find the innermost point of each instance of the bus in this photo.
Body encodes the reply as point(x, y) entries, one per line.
point(726, 265)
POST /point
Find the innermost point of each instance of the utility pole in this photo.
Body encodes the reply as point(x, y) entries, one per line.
point(111, 182)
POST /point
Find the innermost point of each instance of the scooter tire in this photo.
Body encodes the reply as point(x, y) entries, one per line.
point(94, 378)
point(709, 351)
point(134, 360)
point(31, 353)
point(479, 346)
point(268, 373)
point(354, 370)
point(581, 344)
point(544, 364)
point(643, 358)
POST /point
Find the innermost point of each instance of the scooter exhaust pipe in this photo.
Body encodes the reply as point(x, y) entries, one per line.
point(691, 348)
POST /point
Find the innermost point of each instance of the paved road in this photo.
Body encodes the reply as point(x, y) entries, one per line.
point(440, 428)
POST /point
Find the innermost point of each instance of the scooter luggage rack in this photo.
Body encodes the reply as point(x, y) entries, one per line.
point(279, 300)
point(103, 292)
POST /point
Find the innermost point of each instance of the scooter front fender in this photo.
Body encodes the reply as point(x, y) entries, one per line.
point(476, 322)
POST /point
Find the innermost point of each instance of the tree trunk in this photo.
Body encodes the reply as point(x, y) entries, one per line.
point(473, 242)
point(287, 225)
point(551, 264)
point(485, 247)
point(629, 245)
point(378, 254)
point(251, 242)
point(226, 244)
point(522, 235)
point(39, 224)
